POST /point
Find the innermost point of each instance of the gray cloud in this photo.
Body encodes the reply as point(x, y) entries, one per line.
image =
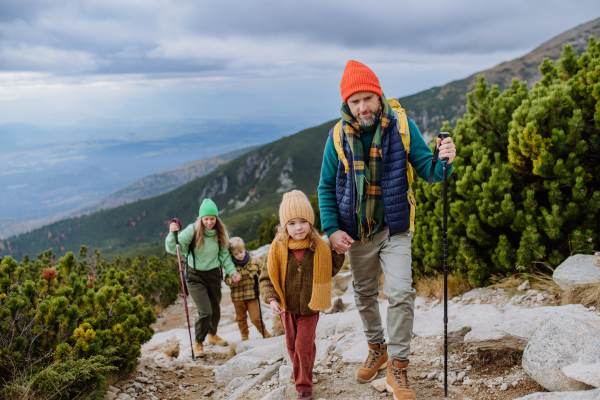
point(233, 37)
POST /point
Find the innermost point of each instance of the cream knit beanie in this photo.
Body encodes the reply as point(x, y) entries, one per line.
point(295, 204)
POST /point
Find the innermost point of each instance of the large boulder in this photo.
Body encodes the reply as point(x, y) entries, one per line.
point(580, 395)
point(580, 269)
point(512, 329)
point(558, 342)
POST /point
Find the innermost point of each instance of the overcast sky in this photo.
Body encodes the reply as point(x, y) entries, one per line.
point(85, 62)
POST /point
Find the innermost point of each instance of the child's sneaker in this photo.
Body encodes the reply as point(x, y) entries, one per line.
point(215, 339)
point(304, 396)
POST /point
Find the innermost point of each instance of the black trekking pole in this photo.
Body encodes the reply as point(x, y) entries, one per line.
point(444, 135)
point(262, 325)
point(187, 314)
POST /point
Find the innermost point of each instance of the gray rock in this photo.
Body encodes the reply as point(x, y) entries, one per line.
point(513, 328)
point(379, 384)
point(238, 366)
point(254, 343)
point(524, 286)
point(114, 389)
point(588, 374)
point(324, 348)
point(580, 395)
point(580, 269)
point(285, 373)
point(235, 383)
point(558, 342)
point(332, 324)
point(110, 396)
point(352, 347)
point(123, 396)
point(273, 351)
point(277, 394)
point(478, 292)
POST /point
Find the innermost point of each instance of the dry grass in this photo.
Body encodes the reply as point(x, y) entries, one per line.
point(430, 286)
point(587, 295)
point(537, 279)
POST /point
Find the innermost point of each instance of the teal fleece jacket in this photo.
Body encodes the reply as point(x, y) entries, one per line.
point(419, 157)
point(211, 256)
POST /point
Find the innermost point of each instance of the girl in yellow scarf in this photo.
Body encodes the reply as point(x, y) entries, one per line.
point(296, 282)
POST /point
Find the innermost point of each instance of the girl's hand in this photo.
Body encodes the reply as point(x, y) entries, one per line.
point(275, 308)
point(236, 277)
point(173, 227)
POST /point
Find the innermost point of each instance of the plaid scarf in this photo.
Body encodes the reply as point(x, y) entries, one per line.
point(369, 208)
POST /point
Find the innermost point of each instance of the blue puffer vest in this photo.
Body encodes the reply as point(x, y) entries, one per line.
point(394, 185)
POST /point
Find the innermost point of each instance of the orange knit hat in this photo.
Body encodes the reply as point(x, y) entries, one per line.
point(358, 78)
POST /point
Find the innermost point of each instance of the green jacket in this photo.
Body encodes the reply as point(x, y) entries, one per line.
point(211, 256)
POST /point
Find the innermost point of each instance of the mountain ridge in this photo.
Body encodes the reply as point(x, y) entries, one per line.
point(250, 186)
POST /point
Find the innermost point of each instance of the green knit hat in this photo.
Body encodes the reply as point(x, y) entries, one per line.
point(208, 207)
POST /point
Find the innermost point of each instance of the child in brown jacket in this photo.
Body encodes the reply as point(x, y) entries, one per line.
point(243, 294)
point(296, 282)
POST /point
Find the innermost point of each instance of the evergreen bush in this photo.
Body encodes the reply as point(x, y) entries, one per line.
point(66, 324)
point(526, 182)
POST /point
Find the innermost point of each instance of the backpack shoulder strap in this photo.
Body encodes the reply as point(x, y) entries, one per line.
point(404, 131)
point(191, 248)
point(337, 142)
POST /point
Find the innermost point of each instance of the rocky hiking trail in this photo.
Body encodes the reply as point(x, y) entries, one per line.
point(493, 335)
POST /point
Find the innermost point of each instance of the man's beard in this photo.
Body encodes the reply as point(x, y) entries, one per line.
point(370, 121)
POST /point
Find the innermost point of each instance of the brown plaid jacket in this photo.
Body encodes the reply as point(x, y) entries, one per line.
point(244, 289)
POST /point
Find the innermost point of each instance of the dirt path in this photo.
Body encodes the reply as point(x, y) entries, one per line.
point(163, 377)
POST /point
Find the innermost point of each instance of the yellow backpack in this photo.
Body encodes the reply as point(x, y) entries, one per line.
point(402, 124)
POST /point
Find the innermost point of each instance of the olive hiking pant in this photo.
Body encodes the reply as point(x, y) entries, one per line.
point(393, 256)
point(205, 289)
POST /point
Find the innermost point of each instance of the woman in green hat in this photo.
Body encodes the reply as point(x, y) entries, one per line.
point(206, 246)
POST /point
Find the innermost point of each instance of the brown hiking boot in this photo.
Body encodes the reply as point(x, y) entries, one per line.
point(199, 350)
point(375, 361)
point(215, 339)
point(397, 380)
point(267, 334)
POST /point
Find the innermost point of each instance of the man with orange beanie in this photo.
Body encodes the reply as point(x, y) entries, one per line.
point(365, 211)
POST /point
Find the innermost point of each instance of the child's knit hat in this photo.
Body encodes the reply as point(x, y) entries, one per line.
point(295, 204)
point(208, 207)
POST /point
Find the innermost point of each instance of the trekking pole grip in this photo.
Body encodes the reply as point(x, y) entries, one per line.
point(175, 220)
point(444, 135)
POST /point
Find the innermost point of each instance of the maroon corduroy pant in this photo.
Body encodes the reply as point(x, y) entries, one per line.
point(300, 342)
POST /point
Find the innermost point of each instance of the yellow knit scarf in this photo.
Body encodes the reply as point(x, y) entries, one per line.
point(277, 266)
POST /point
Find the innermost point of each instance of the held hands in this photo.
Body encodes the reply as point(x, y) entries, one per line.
point(173, 227)
point(340, 241)
point(447, 149)
point(275, 307)
point(236, 277)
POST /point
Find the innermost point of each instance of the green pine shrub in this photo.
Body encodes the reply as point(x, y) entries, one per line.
point(66, 324)
point(525, 188)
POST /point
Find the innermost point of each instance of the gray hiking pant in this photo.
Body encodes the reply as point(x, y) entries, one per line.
point(205, 289)
point(393, 256)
